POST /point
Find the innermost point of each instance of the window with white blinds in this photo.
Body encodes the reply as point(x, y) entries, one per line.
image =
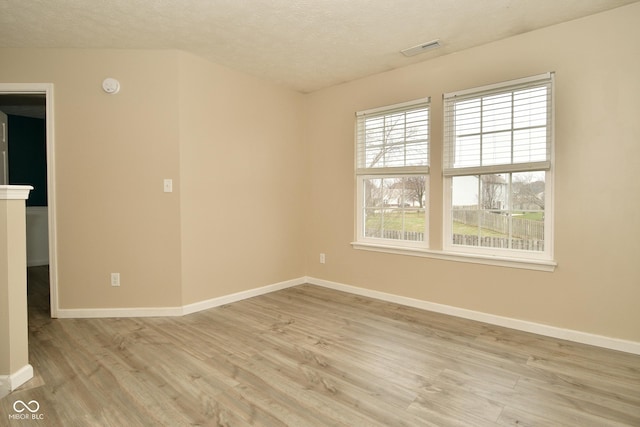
point(497, 166)
point(392, 167)
point(394, 138)
point(501, 128)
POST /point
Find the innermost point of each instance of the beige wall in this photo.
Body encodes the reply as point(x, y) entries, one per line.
point(231, 143)
point(595, 287)
point(112, 153)
point(242, 181)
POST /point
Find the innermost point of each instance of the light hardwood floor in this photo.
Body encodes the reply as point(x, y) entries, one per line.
point(309, 356)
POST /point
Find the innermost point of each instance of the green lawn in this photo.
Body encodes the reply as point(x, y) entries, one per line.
point(536, 216)
point(414, 221)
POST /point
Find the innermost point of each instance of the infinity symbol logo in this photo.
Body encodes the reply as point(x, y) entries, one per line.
point(19, 403)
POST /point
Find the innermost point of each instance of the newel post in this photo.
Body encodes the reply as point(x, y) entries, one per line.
point(15, 369)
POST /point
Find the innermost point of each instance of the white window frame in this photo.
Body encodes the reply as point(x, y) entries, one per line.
point(450, 172)
point(363, 173)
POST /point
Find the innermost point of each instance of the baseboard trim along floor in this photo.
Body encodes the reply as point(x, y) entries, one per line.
point(87, 313)
point(11, 382)
point(507, 322)
point(521, 325)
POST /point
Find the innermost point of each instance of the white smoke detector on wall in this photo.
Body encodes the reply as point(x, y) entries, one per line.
point(111, 86)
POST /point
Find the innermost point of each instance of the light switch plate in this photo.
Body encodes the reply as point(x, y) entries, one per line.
point(168, 185)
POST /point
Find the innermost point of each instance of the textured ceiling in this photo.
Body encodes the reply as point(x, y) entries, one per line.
point(302, 44)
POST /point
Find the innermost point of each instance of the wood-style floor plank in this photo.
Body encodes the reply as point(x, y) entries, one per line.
point(310, 356)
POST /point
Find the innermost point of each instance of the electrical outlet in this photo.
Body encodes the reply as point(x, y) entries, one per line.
point(323, 258)
point(115, 279)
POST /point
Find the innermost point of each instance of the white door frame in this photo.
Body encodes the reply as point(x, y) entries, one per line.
point(47, 90)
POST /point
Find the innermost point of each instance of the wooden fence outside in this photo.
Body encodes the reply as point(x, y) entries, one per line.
point(498, 242)
point(521, 228)
point(468, 240)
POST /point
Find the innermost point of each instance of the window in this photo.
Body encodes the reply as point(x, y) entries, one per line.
point(392, 172)
point(498, 169)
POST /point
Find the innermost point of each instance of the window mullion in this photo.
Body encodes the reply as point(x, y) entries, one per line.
point(479, 209)
point(510, 210)
point(481, 135)
point(385, 140)
point(401, 207)
point(512, 127)
point(404, 137)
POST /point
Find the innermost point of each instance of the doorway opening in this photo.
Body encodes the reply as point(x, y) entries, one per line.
point(29, 108)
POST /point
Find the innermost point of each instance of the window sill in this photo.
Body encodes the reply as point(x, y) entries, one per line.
point(527, 264)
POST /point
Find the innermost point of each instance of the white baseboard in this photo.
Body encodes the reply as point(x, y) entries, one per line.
point(86, 313)
point(239, 296)
point(508, 322)
point(91, 313)
point(8, 383)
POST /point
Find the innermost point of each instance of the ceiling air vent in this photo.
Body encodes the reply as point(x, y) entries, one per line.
point(423, 47)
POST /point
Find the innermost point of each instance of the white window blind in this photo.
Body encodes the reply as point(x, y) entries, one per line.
point(393, 139)
point(499, 128)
